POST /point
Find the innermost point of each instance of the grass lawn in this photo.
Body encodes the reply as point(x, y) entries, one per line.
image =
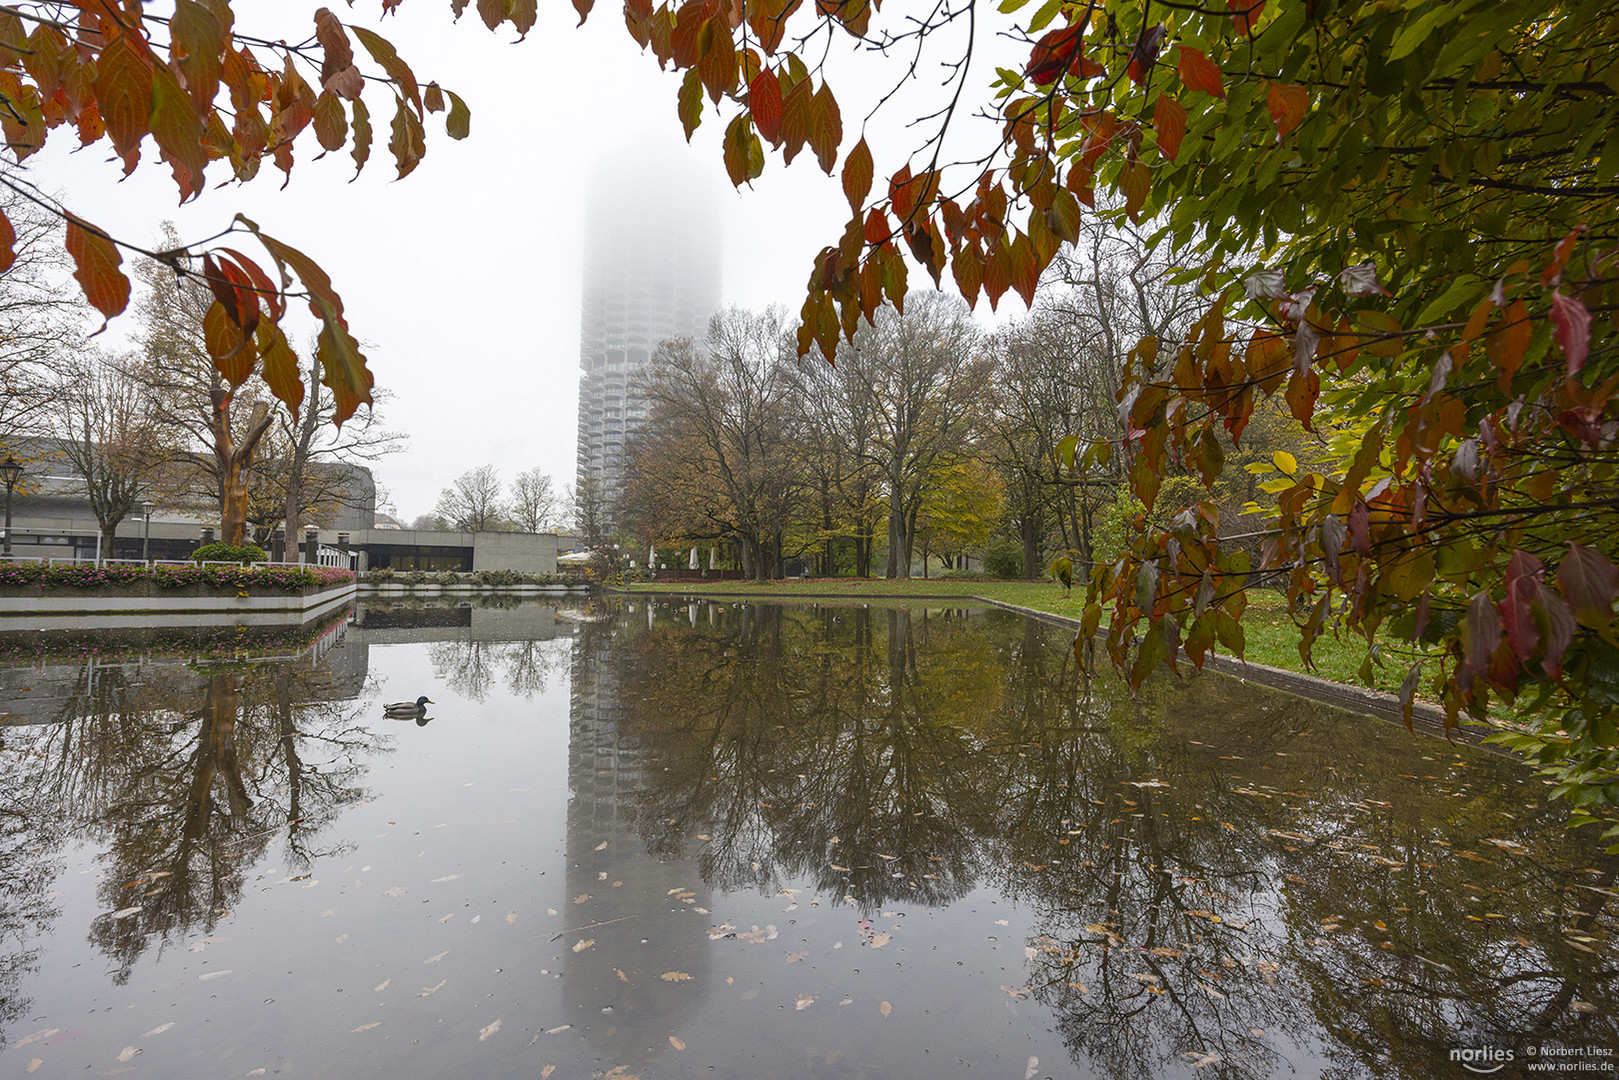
point(1271, 637)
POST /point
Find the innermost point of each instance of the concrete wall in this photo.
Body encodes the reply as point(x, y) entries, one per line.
point(532, 553)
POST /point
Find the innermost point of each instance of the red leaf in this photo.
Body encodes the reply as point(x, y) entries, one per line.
point(1555, 621)
point(764, 99)
point(1169, 125)
point(8, 240)
point(1197, 72)
point(1523, 580)
point(227, 345)
point(1243, 16)
point(124, 97)
point(1481, 633)
point(1052, 53)
point(1589, 582)
point(97, 261)
point(877, 230)
point(1571, 329)
point(1360, 537)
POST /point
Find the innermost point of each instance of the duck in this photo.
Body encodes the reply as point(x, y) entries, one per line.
point(408, 710)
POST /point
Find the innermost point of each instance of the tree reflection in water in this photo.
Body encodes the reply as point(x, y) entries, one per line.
point(188, 776)
point(1217, 870)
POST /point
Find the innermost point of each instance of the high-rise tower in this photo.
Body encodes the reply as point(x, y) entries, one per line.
point(652, 272)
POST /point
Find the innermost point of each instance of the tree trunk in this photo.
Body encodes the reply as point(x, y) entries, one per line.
point(235, 458)
point(896, 540)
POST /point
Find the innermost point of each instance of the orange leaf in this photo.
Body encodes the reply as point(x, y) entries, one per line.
point(1197, 72)
point(97, 261)
point(826, 131)
point(124, 97)
point(385, 56)
point(1287, 103)
point(857, 175)
point(877, 230)
point(1244, 13)
point(280, 372)
point(969, 273)
point(227, 345)
point(331, 125)
point(1506, 346)
point(1052, 54)
point(1169, 125)
point(1135, 180)
point(901, 194)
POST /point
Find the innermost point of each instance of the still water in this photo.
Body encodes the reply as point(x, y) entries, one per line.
point(672, 839)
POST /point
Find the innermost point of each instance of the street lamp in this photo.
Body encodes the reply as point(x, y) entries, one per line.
point(10, 472)
point(146, 538)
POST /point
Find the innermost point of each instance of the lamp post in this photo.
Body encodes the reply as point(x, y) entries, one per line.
point(146, 537)
point(10, 472)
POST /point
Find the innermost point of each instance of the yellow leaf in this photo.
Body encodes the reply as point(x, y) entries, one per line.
point(676, 1042)
point(674, 976)
point(1285, 462)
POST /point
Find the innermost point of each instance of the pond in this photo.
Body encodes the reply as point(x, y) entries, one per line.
point(659, 838)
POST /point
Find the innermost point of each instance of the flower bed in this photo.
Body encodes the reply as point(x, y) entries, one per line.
point(90, 576)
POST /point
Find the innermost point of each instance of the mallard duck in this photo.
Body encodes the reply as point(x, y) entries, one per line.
point(408, 710)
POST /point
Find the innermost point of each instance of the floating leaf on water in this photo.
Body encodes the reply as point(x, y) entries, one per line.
point(793, 958)
point(1003, 922)
point(676, 1042)
point(342, 938)
point(885, 1008)
point(1199, 1059)
point(124, 913)
point(160, 1029)
point(840, 869)
point(674, 976)
point(1033, 1067)
point(879, 940)
point(37, 1036)
point(443, 918)
point(381, 986)
point(1016, 991)
point(127, 1052)
point(429, 991)
point(511, 917)
point(804, 1001)
point(559, 1028)
point(546, 1072)
point(436, 957)
point(484, 1033)
point(33, 1064)
point(602, 846)
point(449, 877)
point(583, 943)
point(581, 898)
point(397, 890)
point(365, 1027)
point(847, 1001)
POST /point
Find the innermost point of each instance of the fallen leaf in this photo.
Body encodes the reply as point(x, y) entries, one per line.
point(793, 958)
point(490, 1030)
point(436, 957)
point(583, 943)
point(450, 877)
point(381, 986)
point(1199, 1060)
point(885, 1008)
point(511, 917)
point(213, 975)
point(676, 1042)
point(581, 898)
point(447, 918)
point(365, 1027)
point(1033, 1067)
point(674, 976)
point(429, 991)
point(33, 1063)
point(127, 1052)
point(602, 846)
point(561, 1027)
point(804, 1001)
point(37, 1036)
point(397, 890)
point(546, 1072)
point(124, 913)
point(879, 940)
point(160, 1029)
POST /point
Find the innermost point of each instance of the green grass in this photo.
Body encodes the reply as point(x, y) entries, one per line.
point(1271, 636)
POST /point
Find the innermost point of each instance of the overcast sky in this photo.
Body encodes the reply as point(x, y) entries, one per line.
point(462, 280)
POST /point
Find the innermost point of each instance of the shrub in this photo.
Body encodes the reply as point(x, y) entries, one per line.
point(1003, 558)
point(219, 552)
point(447, 577)
point(416, 577)
point(379, 574)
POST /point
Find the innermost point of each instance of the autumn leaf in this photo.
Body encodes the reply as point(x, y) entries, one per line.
point(764, 102)
point(1287, 103)
point(1052, 54)
point(857, 175)
point(674, 976)
point(1168, 125)
point(1571, 329)
point(97, 263)
point(1197, 72)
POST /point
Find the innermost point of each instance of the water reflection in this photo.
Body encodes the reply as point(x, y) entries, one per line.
point(1216, 870)
point(643, 826)
point(187, 775)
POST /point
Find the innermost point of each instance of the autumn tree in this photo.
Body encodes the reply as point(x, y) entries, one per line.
point(961, 508)
point(922, 377)
point(105, 425)
point(472, 503)
point(725, 409)
point(38, 319)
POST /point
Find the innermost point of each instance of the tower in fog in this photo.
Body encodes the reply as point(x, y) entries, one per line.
point(652, 271)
